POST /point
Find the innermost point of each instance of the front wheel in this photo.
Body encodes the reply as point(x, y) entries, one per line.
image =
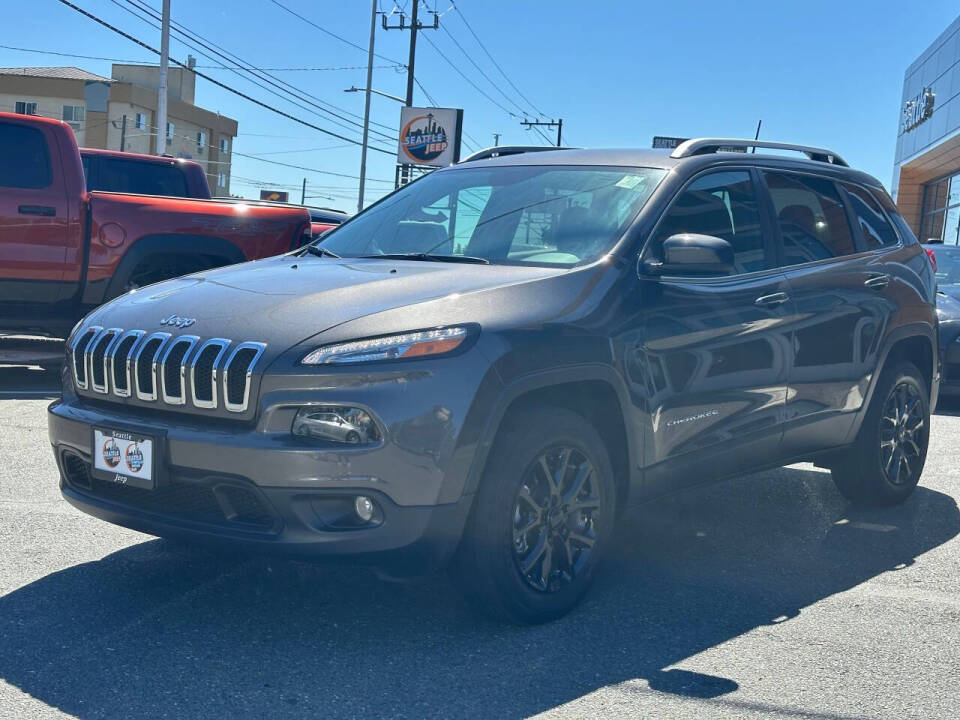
point(884, 465)
point(542, 518)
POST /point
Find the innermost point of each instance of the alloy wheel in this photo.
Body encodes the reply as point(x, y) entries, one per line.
point(555, 518)
point(902, 428)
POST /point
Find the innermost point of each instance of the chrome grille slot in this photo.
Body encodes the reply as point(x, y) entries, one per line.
point(79, 350)
point(97, 351)
point(237, 372)
point(118, 362)
point(145, 365)
point(203, 372)
point(173, 370)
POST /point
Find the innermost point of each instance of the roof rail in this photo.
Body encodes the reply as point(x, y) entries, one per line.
point(703, 146)
point(504, 150)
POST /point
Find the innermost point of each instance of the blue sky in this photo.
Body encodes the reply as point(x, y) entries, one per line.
point(816, 72)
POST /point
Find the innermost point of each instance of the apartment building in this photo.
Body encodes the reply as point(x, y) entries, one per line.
point(120, 112)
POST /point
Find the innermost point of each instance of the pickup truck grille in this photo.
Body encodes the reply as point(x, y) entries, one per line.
point(161, 368)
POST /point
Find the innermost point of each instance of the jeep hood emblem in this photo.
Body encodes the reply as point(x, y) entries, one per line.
point(178, 321)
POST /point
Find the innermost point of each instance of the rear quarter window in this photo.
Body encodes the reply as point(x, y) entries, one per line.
point(24, 157)
point(139, 178)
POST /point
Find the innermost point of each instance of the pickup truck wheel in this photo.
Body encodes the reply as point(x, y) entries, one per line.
point(541, 520)
point(884, 465)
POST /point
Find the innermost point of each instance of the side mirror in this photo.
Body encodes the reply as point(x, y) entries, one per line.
point(693, 254)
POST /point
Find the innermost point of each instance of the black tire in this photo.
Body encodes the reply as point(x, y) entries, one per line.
point(353, 437)
point(886, 461)
point(504, 529)
point(158, 269)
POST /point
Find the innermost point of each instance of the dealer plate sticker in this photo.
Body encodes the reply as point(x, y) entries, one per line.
point(124, 458)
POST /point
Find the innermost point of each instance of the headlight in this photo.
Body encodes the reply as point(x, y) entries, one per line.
point(391, 347)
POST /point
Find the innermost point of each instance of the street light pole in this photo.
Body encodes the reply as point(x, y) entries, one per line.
point(162, 90)
point(366, 107)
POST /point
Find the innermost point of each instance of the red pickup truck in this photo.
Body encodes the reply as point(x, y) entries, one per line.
point(64, 250)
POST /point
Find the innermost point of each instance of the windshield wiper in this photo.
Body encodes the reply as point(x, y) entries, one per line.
point(431, 257)
point(320, 251)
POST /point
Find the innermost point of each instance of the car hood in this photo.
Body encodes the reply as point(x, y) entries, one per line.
point(284, 300)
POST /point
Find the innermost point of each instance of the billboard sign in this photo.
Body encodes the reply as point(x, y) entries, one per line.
point(275, 195)
point(429, 136)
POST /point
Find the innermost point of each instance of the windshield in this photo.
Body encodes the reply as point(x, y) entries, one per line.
point(948, 264)
point(545, 215)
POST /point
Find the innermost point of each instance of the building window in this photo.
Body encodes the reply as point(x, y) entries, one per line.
point(221, 179)
point(170, 132)
point(141, 121)
point(74, 115)
point(940, 221)
point(201, 141)
point(224, 146)
point(26, 108)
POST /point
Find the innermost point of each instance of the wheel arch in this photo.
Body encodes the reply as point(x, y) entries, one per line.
point(595, 392)
point(223, 252)
point(916, 342)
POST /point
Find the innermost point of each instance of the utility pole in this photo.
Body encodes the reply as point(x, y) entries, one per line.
point(303, 193)
point(496, 139)
point(123, 134)
point(162, 91)
point(366, 107)
point(558, 124)
point(415, 26)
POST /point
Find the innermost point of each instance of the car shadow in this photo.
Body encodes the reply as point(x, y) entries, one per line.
point(161, 629)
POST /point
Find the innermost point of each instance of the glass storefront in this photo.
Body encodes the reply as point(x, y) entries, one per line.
point(941, 211)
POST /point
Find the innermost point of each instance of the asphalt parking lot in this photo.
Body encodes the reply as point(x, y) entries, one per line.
point(765, 596)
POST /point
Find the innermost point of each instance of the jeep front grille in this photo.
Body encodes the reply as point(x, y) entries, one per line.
point(161, 368)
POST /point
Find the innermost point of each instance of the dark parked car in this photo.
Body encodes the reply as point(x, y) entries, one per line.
point(947, 258)
point(527, 346)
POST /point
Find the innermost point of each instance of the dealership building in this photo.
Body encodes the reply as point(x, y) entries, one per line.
point(926, 174)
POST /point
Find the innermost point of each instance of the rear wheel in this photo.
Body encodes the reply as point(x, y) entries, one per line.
point(541, 519)
point(885, 464)
point(163, 267)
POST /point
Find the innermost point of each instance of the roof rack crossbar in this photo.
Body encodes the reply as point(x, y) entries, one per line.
point(703, 146)
point(504, 150)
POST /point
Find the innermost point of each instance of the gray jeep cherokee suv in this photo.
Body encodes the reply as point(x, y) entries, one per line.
point(488, 367)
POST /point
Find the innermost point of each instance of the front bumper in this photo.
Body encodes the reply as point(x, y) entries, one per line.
point(255, 491)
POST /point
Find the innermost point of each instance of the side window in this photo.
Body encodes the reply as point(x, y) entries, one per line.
point(811, 216)
point(877, 232)
point(26, 162)
point(722, 204)
point(85, 160)
point(140, 178)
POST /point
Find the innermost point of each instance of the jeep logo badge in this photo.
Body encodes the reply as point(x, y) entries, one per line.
point(178, 321)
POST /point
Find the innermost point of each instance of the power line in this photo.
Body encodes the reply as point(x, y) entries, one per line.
point(333, 34)
point(127, 61)
point(247, 66)
point(480, 70)
point(464, 76)
point(186, 32)
point(216, 82)
point(495, 63)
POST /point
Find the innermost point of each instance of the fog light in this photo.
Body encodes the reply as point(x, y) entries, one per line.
point(336, 424)
point(364, 508)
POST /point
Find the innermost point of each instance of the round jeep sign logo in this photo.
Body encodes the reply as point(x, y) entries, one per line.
point(422, 139)
point(111, 453)
point(134, 457)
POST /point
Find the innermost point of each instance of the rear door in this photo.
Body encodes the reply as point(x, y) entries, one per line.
point(840, 286)
point(716, 351)
point(34, 215)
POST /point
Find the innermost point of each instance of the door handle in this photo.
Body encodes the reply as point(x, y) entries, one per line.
point(44, 210)
point(877, 282)
point(772, 300)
